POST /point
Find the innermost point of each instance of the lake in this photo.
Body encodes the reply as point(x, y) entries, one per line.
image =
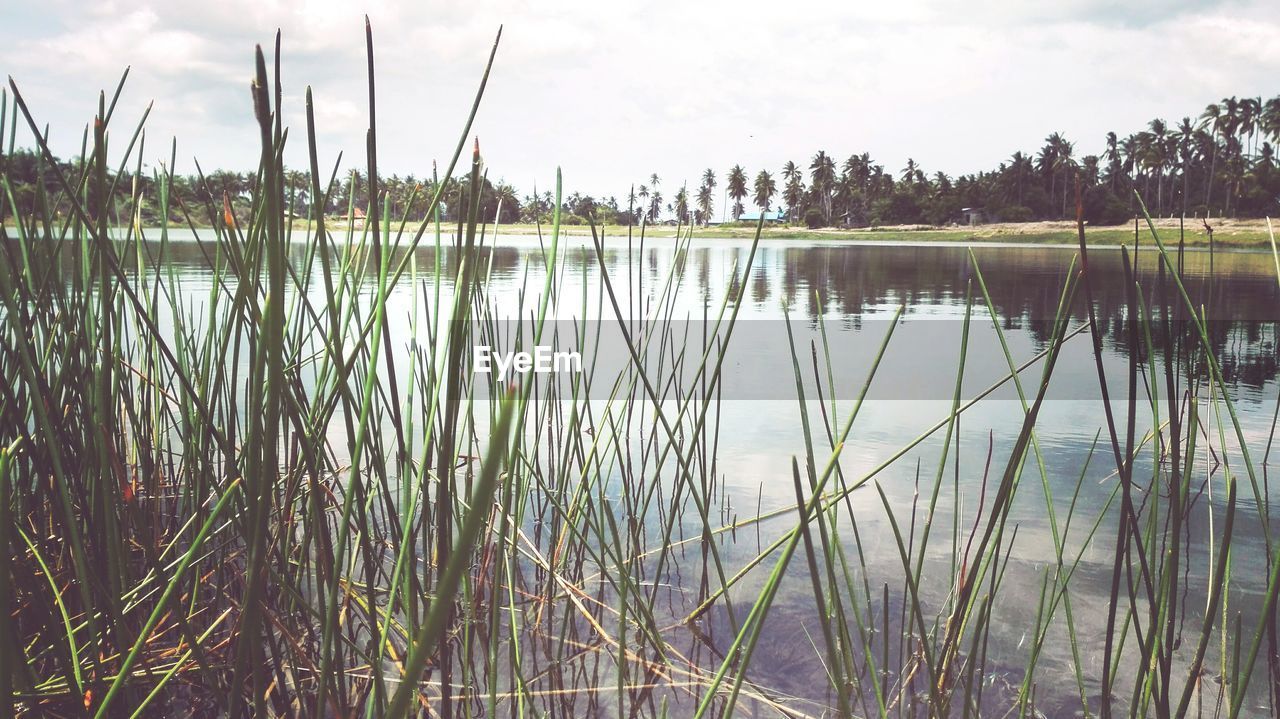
point(810, 318)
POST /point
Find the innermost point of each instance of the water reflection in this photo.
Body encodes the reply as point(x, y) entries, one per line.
point(848, 284)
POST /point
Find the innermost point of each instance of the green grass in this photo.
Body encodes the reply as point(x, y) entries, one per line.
point(1242, 234)
point(240, 502)
point(1248, 235)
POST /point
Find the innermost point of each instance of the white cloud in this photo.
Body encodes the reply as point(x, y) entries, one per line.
point(614, 92)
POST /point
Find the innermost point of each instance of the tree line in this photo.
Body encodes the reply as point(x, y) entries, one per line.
point(1219, 163)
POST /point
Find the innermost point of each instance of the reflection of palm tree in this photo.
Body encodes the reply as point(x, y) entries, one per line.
point(765, 190)
point(737, 185)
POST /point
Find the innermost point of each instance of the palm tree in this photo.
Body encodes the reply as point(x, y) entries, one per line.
point(709, 178)
point(1065, 163)
point(1185, 149)
point(655, 197)
point(1055, 157)
point(852, 187)
point(631, 204)
point(1215, 121)
point(706, 198)
point(737, 189)
point(1089, 171)
point(1046, 163)
point(1129, 153)
point(1234, 170)
point(793, 191)
point(1271, 119)
point(1112, 156)
point(506, 198)
point(704, 201)
point(682, 205)
point(1155, 146)
point(822, 175)
point(297, 185)
point(790, 170)
point(643, 194)
point(1250, 121)
point(909, 172)
point(1020, 166)
point(765, 190)
point(1230, 128)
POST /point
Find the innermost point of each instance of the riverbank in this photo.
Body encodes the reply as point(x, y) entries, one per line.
point(1226, 233)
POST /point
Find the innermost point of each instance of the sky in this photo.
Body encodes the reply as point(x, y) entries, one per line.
point(612, 92)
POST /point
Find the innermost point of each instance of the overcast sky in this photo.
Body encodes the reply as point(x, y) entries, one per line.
point(612, 92)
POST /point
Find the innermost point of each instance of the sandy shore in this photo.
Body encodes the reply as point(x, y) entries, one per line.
point(1226, 232)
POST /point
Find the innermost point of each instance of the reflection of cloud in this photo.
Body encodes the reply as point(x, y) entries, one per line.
point(613, 92)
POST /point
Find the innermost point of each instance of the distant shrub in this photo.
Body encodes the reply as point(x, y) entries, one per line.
point(813, 218)
point(1103, 207)
point(901, 209)
point(1016, 213)
point(1037, 198)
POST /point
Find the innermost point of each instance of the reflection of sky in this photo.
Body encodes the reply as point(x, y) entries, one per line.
point(862, 286)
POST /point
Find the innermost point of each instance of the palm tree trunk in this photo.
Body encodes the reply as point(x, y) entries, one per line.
point(1208, 187)
point(1159, 192)
point(1184, 190)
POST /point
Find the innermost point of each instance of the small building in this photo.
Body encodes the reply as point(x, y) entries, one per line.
point(972, 215)
point(770, 216)
point(356, 218)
